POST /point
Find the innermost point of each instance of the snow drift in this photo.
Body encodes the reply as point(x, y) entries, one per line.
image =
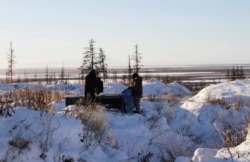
point(195, 129)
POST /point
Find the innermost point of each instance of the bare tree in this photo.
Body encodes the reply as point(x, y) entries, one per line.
point(235, 73)
point(62, 74)
point(129, 70)
point(89, 58)
point(35, 77)
point(102, 65)
point(11, 62)
point(47, 74)
point(137, 58)
point(81, 75)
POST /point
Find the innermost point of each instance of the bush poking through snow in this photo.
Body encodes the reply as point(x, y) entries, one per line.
point(233, 137)
point(237, 104)
point(31, 98)
point(45, 136)
point(37, 98)
point(67, 158)
point(144, 157)
point(92, 118)
point(6, 104)
point(153, 119)
point(19, 143)
point(19, 132)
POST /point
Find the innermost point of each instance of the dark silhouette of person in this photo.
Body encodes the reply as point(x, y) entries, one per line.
point(137, 91)
point(90, 84)
point(99, 86)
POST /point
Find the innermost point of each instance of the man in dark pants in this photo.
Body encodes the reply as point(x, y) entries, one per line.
point(137, 91)
point(90, 85)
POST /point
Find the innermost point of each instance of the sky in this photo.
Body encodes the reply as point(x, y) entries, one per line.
point(181, 32)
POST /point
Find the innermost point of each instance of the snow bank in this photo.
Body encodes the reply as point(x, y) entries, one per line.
point(127, 137)
point(206, 122)
point(179, 90)
point(74, 88)
point(155, 87)
point(113, 88)
point(189, 132)
point(230, 92)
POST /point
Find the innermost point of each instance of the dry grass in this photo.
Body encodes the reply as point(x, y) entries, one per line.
point(237, 104)
point(19, 143)
point(32, 98)
point(233, 137)
point(93, 119)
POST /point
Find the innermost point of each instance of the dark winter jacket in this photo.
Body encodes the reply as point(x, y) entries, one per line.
point(137, 86)
point(90, 84)
point(99, 86)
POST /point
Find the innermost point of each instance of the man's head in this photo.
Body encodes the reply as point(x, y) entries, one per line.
point(92, 71)
point(135, 75)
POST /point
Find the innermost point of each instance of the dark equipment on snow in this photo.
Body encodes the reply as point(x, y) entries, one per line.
point(122, 102)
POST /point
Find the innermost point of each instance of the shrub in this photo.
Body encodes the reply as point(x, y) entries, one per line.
point(231, 137)
point(6, 104)
point(144, 157)
point(237, 104)
point(37, 98)
point(92, 118)
point(67, 158)
point(19, 143)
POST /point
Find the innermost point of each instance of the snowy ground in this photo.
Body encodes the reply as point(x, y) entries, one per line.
point(175, 126)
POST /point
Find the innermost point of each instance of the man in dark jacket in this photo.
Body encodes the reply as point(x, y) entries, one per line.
point(137, 91)
point(99, 86)
point(90, 84)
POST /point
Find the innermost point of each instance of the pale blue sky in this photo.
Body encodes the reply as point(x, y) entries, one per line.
point(168, 32)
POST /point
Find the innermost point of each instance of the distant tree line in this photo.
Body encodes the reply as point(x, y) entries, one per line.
point(92, 59)
point(235, 73)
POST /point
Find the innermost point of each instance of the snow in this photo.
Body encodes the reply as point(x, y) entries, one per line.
point(157, 87)
point(183, 128)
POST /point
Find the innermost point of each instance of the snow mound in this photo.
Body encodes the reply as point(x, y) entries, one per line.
point(156, 87)
point(9, 87)
point(230, 92)
point(113, 88)
point(216, 118)
point(76, 88)
point(207, 121)
point(179, 90)
point(238, 153)
point(192, 127)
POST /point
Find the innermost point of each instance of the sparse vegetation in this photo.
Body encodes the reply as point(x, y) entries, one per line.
point(19, 143)
point(6, 105)
point(231, 137)
point(236, 73)
point(236, 104)
point(144, 157)
point(31, 98)
point(92, 117)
